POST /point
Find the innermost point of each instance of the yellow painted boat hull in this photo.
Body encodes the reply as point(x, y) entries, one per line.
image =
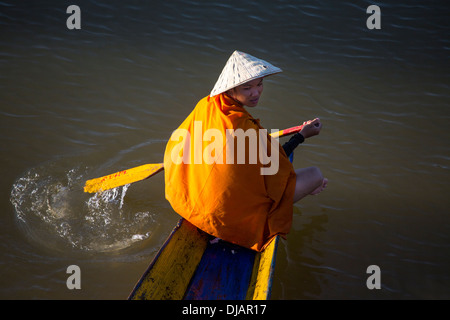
point(192, 265)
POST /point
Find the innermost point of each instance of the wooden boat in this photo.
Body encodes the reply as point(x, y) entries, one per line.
point(193, 265)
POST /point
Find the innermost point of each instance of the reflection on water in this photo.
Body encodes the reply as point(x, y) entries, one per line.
point(299, 263)
point(76, 105)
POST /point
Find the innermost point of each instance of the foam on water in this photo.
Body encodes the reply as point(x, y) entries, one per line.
point(53, 211)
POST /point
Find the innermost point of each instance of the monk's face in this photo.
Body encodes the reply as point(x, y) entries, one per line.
point(248, 93)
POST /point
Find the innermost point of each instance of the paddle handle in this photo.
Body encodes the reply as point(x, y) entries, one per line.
point(287, 131)
point(292, 130)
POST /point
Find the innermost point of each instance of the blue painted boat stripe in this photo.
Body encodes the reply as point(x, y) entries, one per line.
point(224, 273)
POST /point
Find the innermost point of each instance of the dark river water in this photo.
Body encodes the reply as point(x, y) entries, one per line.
point(82, 103)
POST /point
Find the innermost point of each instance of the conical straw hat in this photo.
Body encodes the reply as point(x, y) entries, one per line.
point(241, 68)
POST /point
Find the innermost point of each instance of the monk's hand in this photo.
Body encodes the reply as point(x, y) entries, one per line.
point(311, 128)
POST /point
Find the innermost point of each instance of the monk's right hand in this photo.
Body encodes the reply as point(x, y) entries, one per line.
point(311, 128)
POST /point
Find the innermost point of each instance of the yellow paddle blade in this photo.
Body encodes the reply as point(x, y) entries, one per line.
point(122, 178)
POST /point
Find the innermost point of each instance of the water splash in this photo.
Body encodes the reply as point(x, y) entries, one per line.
point(53, 211)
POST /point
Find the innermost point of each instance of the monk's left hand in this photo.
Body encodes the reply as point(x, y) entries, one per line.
point(311, 128)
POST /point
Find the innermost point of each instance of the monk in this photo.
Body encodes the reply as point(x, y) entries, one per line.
point(225, 174)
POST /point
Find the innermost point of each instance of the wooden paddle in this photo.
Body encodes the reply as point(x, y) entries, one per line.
point(145, 171)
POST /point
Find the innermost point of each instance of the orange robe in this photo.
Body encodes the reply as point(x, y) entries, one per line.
point(233, 202)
